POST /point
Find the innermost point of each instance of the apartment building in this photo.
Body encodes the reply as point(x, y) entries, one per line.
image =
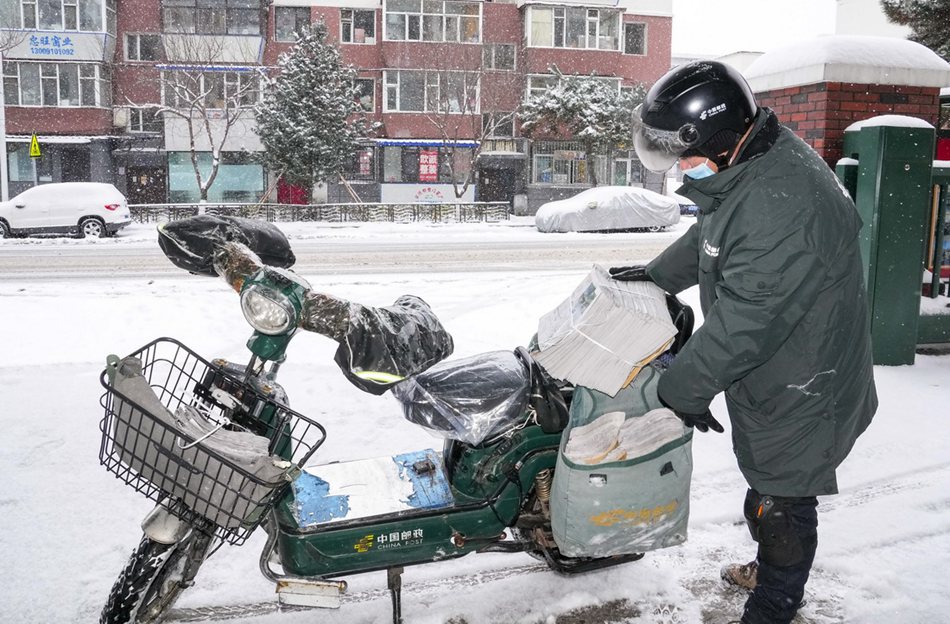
point(441, 77)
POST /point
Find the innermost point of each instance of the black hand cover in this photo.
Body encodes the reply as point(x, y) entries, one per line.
point(703, 422)
point(637, 273)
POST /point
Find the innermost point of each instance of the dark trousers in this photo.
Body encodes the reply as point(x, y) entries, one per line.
point(780, 586)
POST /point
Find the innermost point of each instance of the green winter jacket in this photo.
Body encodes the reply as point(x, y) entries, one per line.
point(786, 330)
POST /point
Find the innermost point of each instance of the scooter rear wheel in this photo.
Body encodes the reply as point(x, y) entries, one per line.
point(153, 579)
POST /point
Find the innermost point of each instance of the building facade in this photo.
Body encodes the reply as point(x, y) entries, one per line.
point(141, 93)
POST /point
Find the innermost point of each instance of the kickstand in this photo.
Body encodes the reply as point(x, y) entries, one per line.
point(394, 582)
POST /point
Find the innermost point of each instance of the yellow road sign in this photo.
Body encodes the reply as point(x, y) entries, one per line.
point(35, 148)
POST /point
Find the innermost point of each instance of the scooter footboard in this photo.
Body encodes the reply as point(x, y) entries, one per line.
point(387, 512)
point(366, 488)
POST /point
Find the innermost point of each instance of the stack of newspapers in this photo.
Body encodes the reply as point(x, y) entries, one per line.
point(605, 332)
point(613, 437)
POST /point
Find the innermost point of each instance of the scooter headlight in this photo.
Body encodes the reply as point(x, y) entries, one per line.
point(268, 311)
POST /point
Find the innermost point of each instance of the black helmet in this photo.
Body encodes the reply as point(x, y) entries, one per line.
point(703, 107)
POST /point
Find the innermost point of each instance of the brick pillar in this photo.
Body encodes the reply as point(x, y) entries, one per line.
point(819, 112)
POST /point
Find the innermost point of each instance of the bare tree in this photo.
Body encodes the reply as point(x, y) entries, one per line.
point(207, 98)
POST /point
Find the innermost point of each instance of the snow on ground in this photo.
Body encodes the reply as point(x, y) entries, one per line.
point(67, 527)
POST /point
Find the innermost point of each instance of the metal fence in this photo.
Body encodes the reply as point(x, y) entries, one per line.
point(468, 212)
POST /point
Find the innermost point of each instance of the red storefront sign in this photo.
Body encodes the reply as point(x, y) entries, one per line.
point(428, 165)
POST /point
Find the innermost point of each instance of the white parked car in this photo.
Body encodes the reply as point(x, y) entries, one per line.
point(605, 208)
point(85, 208)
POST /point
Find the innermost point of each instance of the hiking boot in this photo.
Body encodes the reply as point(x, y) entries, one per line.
point(740, 575)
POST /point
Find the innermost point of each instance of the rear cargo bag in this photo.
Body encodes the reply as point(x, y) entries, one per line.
point(621, 484)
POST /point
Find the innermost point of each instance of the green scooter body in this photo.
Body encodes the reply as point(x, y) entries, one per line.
point(482, 489)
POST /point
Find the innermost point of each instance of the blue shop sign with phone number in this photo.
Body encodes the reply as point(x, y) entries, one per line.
point(54, 45)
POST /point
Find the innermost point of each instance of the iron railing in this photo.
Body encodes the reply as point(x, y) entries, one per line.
point(461, 212)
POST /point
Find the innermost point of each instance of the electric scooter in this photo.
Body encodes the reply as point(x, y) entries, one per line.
point(490, 496)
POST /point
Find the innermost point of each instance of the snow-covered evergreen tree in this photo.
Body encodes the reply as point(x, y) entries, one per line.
point(929, 21)
point(309, 118)
point(592, 111)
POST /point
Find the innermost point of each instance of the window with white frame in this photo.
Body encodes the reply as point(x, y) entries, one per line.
point(366, 93)
point(210, 89)
point(357, 26)
point(420, 91)
point(538, 84)
point(57, 15)
point(146, 119)
point(140, 47)
point(498, 125)
point(634, 38)
point(56, 84)
point(565, 163)
point(433, 20)
point(290, 22)
point(498, 56)
point(212, 17)
point(573, 27)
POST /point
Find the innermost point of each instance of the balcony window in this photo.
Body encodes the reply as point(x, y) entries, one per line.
point(290, 22)
point(431, 91)
point(143, 47)
point(210, 89)
point(433, 20)
point(357, 26)
point(56, 84)
point(574, 27)
point(634, 38)
point(498, 56)
point(54, 15)
point(212, 17)
point(145, 120)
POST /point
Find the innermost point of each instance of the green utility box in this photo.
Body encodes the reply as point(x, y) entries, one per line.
point(891, 184)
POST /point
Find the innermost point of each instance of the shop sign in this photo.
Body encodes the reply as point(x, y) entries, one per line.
point(428, 165)
point(423, 193)
point(53, 45)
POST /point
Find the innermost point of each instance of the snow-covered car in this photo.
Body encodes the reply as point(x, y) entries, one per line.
point(90, 209)
point(606, 208)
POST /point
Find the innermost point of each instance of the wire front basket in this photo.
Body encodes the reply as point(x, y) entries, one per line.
point(230, 484)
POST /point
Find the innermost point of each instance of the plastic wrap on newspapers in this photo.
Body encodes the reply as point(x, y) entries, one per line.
point(470, 399)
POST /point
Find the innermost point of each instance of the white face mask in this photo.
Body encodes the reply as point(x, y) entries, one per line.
point(700, 171)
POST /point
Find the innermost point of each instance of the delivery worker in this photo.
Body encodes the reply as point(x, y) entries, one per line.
point(785, 336)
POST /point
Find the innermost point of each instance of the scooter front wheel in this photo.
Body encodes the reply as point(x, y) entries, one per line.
point(153, 579)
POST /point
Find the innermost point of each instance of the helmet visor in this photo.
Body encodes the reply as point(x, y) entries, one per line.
point(657, 149)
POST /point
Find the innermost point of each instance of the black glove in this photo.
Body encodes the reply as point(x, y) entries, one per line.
point(703, 422)
point(636, 273)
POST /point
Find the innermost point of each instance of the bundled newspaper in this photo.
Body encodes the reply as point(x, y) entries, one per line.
point(605, 332)
point(613, 437)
